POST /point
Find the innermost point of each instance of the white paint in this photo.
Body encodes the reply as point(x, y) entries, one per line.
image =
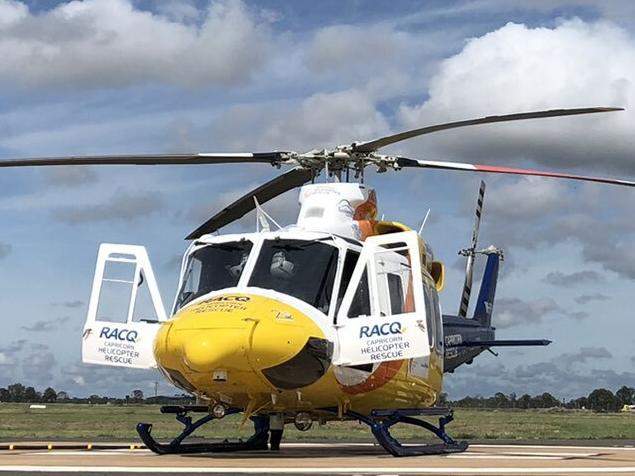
point(398, 336)
point(313, 470)
point(130, 352)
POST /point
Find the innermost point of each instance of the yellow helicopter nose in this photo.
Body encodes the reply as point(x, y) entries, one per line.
point(232, 338)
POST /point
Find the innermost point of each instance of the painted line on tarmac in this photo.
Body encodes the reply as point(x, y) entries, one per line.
point(564, 447)
point(516, 456)
point(296, 470)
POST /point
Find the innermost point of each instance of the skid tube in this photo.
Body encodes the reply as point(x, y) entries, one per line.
point(258, 441)
point(380, 422)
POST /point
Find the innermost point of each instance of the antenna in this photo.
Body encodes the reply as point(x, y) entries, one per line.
point(425, 219)
point(470, 253)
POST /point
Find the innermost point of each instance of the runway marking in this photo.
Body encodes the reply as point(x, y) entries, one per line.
point(287, 470)
point(564, 447)
point(467, 455)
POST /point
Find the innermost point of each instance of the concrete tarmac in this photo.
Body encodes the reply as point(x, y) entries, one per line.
point(327, 458)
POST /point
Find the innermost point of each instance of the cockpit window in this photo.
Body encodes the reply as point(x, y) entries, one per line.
point(303, 269)
point(213, 267)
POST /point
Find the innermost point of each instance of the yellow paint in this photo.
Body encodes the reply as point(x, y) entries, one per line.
point(244, 334)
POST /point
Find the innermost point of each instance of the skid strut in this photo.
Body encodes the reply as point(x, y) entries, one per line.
point(380, 422)
point(258, 441)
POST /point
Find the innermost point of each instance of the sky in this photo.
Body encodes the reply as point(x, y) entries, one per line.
point(150, 76)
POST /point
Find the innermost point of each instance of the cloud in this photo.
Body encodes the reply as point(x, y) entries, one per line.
point(515, 312)
point(70, 304)
point(14, 347)
point(317, 121)
point(38, 367)
point(70, 176)
point(85, 379)
point(340, 47)
point(47, 325)
point(587, 298)
point(5, 249)
point(584, 354)
point(123, 205)
point(558, 278)
point(518, 68)
point(556, 376)
point(110, 43)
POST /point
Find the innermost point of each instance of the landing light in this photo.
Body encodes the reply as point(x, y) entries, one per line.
point(303, 421)
point(218, 410)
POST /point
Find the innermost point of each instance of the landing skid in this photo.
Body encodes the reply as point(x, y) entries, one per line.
point(258, 441)
point(380, 422)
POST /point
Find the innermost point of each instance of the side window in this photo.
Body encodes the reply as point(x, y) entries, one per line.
point(438, 322)
point(430, 313)
point(350, 260)
point(395, 290)
point(360, 306)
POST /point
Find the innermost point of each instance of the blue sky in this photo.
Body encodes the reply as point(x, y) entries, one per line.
point(120, 76)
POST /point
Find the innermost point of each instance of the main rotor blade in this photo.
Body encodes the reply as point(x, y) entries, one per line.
point(282, 183)
point(373, 145)
point(431, 164)
point(150, 159)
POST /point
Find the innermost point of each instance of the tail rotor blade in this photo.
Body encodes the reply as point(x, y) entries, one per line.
point(470, 254)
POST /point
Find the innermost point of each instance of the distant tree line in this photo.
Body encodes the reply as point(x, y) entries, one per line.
point(599, 400)
point(21, 394)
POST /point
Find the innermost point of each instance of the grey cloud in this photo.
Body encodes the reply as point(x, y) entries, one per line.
point(70, 304)
point(584, 354)
point(515, 312)
point(510, 312)
point(106, 43)
point(556, 377)
point(70, 176)
point(84, 379)
point(38, 367)
point(294, 125)
point(587, 298)
point(123, 205)
point(492, 370)
point(558, 278)
point(46, 325)
point(5, 249)
point(14, 347)
point(619, 257)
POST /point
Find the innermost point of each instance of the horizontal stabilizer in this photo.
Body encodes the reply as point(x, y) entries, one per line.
point(502, 343)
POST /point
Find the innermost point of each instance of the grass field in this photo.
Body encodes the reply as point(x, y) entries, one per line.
point(110, 422)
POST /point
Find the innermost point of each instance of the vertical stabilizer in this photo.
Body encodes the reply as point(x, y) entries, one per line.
point(485, 301)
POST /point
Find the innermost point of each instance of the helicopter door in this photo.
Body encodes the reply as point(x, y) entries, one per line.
point(382, 316)
point(125, 309)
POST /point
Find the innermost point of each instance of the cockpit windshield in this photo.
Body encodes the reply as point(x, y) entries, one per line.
point(303, 269)
point(213, 267)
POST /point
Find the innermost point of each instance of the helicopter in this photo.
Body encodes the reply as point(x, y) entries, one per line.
point(335, 317)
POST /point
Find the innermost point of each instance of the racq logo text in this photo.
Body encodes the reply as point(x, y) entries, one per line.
point(124, 335)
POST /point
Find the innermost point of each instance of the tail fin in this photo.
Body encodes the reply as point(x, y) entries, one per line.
point(485, 301)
